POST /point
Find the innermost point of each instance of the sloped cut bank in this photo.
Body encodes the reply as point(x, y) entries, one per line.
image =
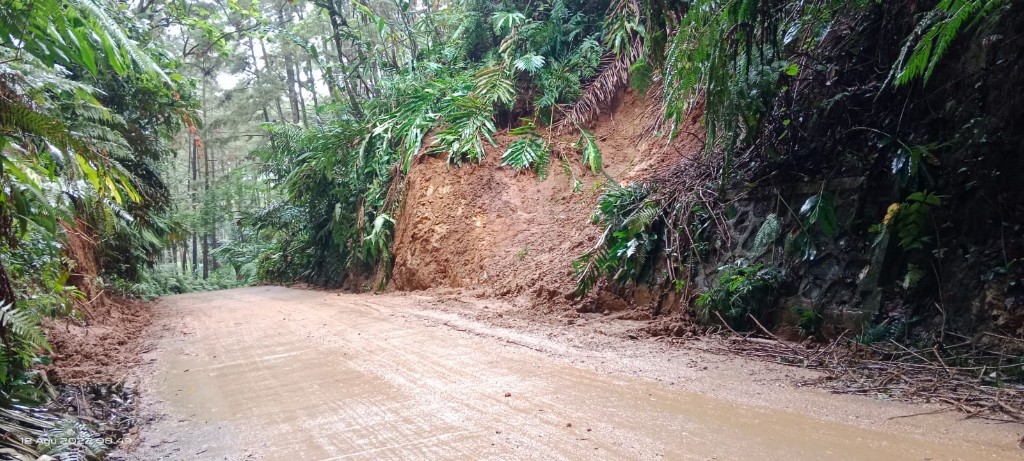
point(505, 233)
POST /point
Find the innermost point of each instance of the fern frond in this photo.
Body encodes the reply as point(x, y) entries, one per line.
point(641, 218)
point(120, 49)
point(24, 325)
point(934, 34)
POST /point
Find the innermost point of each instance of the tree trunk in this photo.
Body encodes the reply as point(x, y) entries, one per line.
point(266, 63)
point(210, 238)
point(301, 98)
point(413, 46)
point(336, 22)
point(195, 202)
point(293, 99)
point(256, 72)
point(312, 84)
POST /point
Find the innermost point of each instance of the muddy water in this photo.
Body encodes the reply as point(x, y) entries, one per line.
point(277, 374)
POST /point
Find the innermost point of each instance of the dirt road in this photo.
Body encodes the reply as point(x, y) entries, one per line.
point(281, 374)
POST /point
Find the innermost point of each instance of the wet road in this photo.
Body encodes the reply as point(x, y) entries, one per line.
point(280, 374)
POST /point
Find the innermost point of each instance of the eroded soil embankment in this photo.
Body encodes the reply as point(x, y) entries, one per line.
point(280, 374)
point(510, 234)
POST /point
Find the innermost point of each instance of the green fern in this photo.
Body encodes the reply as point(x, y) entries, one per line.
point(631, 220)
point(24, 325)
point(934, 34)
point(71, 439)
point(740, 290)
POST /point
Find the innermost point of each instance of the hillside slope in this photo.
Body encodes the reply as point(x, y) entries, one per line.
point(511, 234)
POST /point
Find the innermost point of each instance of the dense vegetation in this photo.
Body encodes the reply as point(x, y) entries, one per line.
point(86, 111)
point(164, 146)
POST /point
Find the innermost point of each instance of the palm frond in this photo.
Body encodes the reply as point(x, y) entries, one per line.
point(495, 86)
point(468, 120)
point(591, 153)
point(530, 63)
point(625, 39)
point(528, 151)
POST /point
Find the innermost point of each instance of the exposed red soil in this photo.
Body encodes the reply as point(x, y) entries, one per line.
point(104, 343)
point(102, 348)
point(503, 233)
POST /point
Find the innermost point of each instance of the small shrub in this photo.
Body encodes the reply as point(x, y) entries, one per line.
point(740, 291)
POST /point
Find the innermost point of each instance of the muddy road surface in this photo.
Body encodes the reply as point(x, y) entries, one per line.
point(271, 373)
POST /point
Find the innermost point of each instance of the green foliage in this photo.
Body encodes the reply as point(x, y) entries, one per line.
point(468, 120)
point(377, 244)
point(24, 325)
point(631, 219)
point(641, 77)
point(528, 151)
point(505, 21)
point(166, 279)
point(817, 217)
point(720, 57)
point(530, 63)
point(84, 109)
point(911, 220)
point(240, 256)
point(740, 291)
point(591, 153)
point(72, 439)
point(495, 86)
point(909, 164)
point(729, 58)
point(766, 234)
point(934, 34)
point(809, 321)
point(885, 331)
